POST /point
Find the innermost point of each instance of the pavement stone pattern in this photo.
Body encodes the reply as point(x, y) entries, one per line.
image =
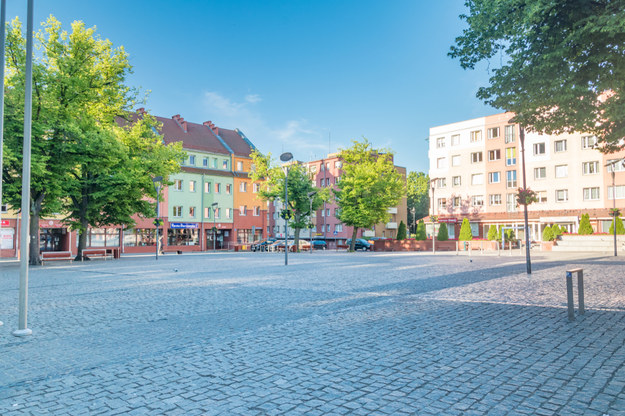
point(333, 333)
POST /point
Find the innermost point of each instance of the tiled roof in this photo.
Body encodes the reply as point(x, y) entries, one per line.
point(238, 145)
point(197, 136)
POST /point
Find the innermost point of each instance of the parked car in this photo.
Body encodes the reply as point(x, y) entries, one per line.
point(361, 244)
point(262, 245)
point(319, 245)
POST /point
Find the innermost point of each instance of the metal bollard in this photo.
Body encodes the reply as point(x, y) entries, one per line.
point(580, 292)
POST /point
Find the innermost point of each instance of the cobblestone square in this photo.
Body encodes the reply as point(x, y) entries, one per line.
point(333, 333)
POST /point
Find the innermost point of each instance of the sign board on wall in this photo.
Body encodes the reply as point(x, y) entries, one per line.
point(183, 225)
point(4, 223)
point(6, 238)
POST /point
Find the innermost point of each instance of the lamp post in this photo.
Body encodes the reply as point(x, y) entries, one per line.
point(432, 182)
point(286, 157)
point(157, 180)
point(414, 220)
point(214, 206)
point(528, 260)
point(612, 166)
point(311, 197)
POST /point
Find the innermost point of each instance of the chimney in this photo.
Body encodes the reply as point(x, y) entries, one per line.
point(140, 112)
point(181, 122)
point(211, 126)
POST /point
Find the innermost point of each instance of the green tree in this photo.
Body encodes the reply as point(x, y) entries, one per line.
point(443, 234)
point(557, 230)
point(401, 231)
point(418, 196)
point(465, 231)
point(79, 92)
point(584, 225)
point(493, 233)
point(619, 227)
point(420, 233)
point(369, 186)
point(548, 234)
point(272, 178)
point(555, 64)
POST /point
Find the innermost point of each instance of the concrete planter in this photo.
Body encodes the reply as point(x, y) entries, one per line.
point(547, 245)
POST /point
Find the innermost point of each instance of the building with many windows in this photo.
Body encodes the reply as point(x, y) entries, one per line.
point(476, 170)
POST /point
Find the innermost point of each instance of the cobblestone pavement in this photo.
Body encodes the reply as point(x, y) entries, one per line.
point(331, 334)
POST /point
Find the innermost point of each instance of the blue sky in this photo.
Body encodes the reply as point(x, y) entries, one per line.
point(300, 76)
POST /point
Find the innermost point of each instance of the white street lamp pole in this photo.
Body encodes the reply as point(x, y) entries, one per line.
point(157, 180)
point(214, 206)
point(310, 197)
point(286, 157)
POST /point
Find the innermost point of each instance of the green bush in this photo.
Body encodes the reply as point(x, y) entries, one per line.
point(493, 234)
point(420, 233)
point(584, 225)
point(619, 227)
point(510, 236)
point(548, 234)
point(465, 231)
point(443, 234)
point(557, 231)
point(401, 231)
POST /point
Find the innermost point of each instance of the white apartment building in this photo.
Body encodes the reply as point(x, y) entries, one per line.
point(476, 170)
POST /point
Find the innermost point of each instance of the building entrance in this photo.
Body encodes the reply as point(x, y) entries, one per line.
point(51, 239)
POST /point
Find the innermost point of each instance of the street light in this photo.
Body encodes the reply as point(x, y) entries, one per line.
point(613, 171)
point(214, 206)
point(286, 157)
point(157, 180)
point(432, 182)
point(528, 260)
point(414, 220)
point(310, 197)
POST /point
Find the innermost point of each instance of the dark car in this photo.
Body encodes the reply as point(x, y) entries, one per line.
point(262, 245)
point(361, 244)
point(319, 244)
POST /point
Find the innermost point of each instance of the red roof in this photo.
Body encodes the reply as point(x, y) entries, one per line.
point(239, 146)
point(197, 136)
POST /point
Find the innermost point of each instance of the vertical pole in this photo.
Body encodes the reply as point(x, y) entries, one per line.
point(433, 222)
point(3, 5)
point(286, 220)
point(158, 215)
point(528, 261)
point(580, 291)
point(23, 293)
point(569, 295)
point(614, 206)
point(310, 229)
point(214, 228)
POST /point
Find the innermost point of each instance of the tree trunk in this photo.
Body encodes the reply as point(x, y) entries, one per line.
point(82, 241)
point(353, 244)
point(33, 231)
point(296, 231)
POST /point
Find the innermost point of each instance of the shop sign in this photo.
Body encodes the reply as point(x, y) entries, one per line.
point(6, 239)
point(5, 223)
point(183, 225)
point(448, 220)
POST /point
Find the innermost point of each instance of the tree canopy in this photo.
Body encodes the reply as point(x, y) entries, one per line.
point(369, 186)
point(558, 65)
point(417, 190)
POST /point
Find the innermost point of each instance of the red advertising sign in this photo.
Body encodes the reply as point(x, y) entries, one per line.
point(4, 223)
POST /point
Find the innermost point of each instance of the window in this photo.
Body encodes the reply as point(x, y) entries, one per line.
point(243, 187)
point(229, 213)
point(510, 202)
point(192, 212)
point(494, 177)
point(215, 162)
point(560, 146)
point(192, 160)
point(477, 179)
point(177, 184)
point(224, 165)
point(539, 148)
point(620, 192)
point(217, 188)
point(4, 208)
point(456, 201)
point(228, 189)
point(477, 200)
point(440, 143)
point(338, 228)
point(313, 168)
point(256, 211)
point(476, 136)
point(591, 194)
point(442, 203)
point(207, 187)
point(511, 156)
point(243, 210)
point(441, 182)
point(494, 199)
point(511, 179)
point(541, 196)
point(256, 188)
point(455, 160)
point(493, 133)
point(562, 171)
point(207, 212)
point(540, 173)
point(494, 155)
point(240, 166)
point(509, 133)
point(217, 213)
point(327, 212)
point(456, 181)
point(455, 140)
point(177, 211)
point(441, 163)
point(205, 162)
point(590, 168)
point(615, 165)
point(191, 186)
point(562, 195)
point(338, 164)
point(476, 157)
point(589, 142)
